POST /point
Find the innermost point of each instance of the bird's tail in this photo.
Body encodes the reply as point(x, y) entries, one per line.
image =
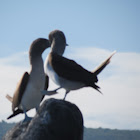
point(96, 87)
point(9, 98)
point(103, 65)
point(16, 112)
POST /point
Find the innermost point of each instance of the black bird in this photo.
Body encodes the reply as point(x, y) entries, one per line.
point(65, 72)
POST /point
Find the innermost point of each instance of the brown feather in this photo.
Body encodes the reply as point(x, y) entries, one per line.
point(20, 90)
point(9, 98)
point(103, 65)
point(46, 85)
point(71, 70)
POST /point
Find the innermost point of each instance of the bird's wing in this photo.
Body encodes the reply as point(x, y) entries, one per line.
point(20, 90)
point(70, 70)
point(46, 85)
point(46, 82)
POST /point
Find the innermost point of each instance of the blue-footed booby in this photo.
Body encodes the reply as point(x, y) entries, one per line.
point(65, 72)
point(27, 94)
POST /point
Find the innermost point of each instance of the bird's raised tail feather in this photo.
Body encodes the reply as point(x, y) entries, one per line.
point(9, 98)
point(103, 65)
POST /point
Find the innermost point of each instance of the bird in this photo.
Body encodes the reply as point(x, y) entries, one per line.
point(66, 73)
point(27, 94)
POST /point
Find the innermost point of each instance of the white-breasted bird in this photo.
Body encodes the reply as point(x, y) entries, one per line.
point(65, 72)
point(27, 94)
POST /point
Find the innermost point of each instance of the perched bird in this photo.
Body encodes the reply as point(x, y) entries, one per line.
point(27, 94)
point(65, 72)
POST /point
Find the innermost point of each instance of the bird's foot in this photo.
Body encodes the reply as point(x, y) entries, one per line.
point(27, 119)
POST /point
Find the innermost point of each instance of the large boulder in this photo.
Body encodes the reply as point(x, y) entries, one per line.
point(55, 120)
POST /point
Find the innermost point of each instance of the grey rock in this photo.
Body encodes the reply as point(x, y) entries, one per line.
point(55, 120)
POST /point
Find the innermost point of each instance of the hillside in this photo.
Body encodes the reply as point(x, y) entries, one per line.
point(4, 127)
point(91, 133)
point(108, 134)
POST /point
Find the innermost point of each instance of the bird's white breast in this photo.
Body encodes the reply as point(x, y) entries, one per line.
point(50, 72)
point(32, 95)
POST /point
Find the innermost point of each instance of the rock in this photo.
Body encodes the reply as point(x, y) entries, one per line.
point(55, 120)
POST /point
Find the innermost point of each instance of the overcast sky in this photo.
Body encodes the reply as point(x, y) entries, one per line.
point(93, 29)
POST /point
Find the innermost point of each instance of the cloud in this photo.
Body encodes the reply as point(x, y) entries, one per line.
point(18, 59)
point(118, 107)
point(12, 68)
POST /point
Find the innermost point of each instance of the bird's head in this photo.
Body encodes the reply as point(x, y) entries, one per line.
point(57, 40)
point(38, 46)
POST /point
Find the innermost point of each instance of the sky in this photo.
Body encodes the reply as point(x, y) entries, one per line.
point(93, 29)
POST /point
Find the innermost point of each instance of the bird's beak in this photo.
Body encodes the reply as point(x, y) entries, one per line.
point(67, 44)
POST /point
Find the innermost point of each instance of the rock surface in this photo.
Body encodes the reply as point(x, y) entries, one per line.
point(55, 120)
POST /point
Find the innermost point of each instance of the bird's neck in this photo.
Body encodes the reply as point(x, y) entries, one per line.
point(58, 47)
point(36, 63)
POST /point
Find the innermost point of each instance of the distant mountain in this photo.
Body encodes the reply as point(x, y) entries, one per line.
point(4, 127)
point(108, 134)
point(90, 133)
